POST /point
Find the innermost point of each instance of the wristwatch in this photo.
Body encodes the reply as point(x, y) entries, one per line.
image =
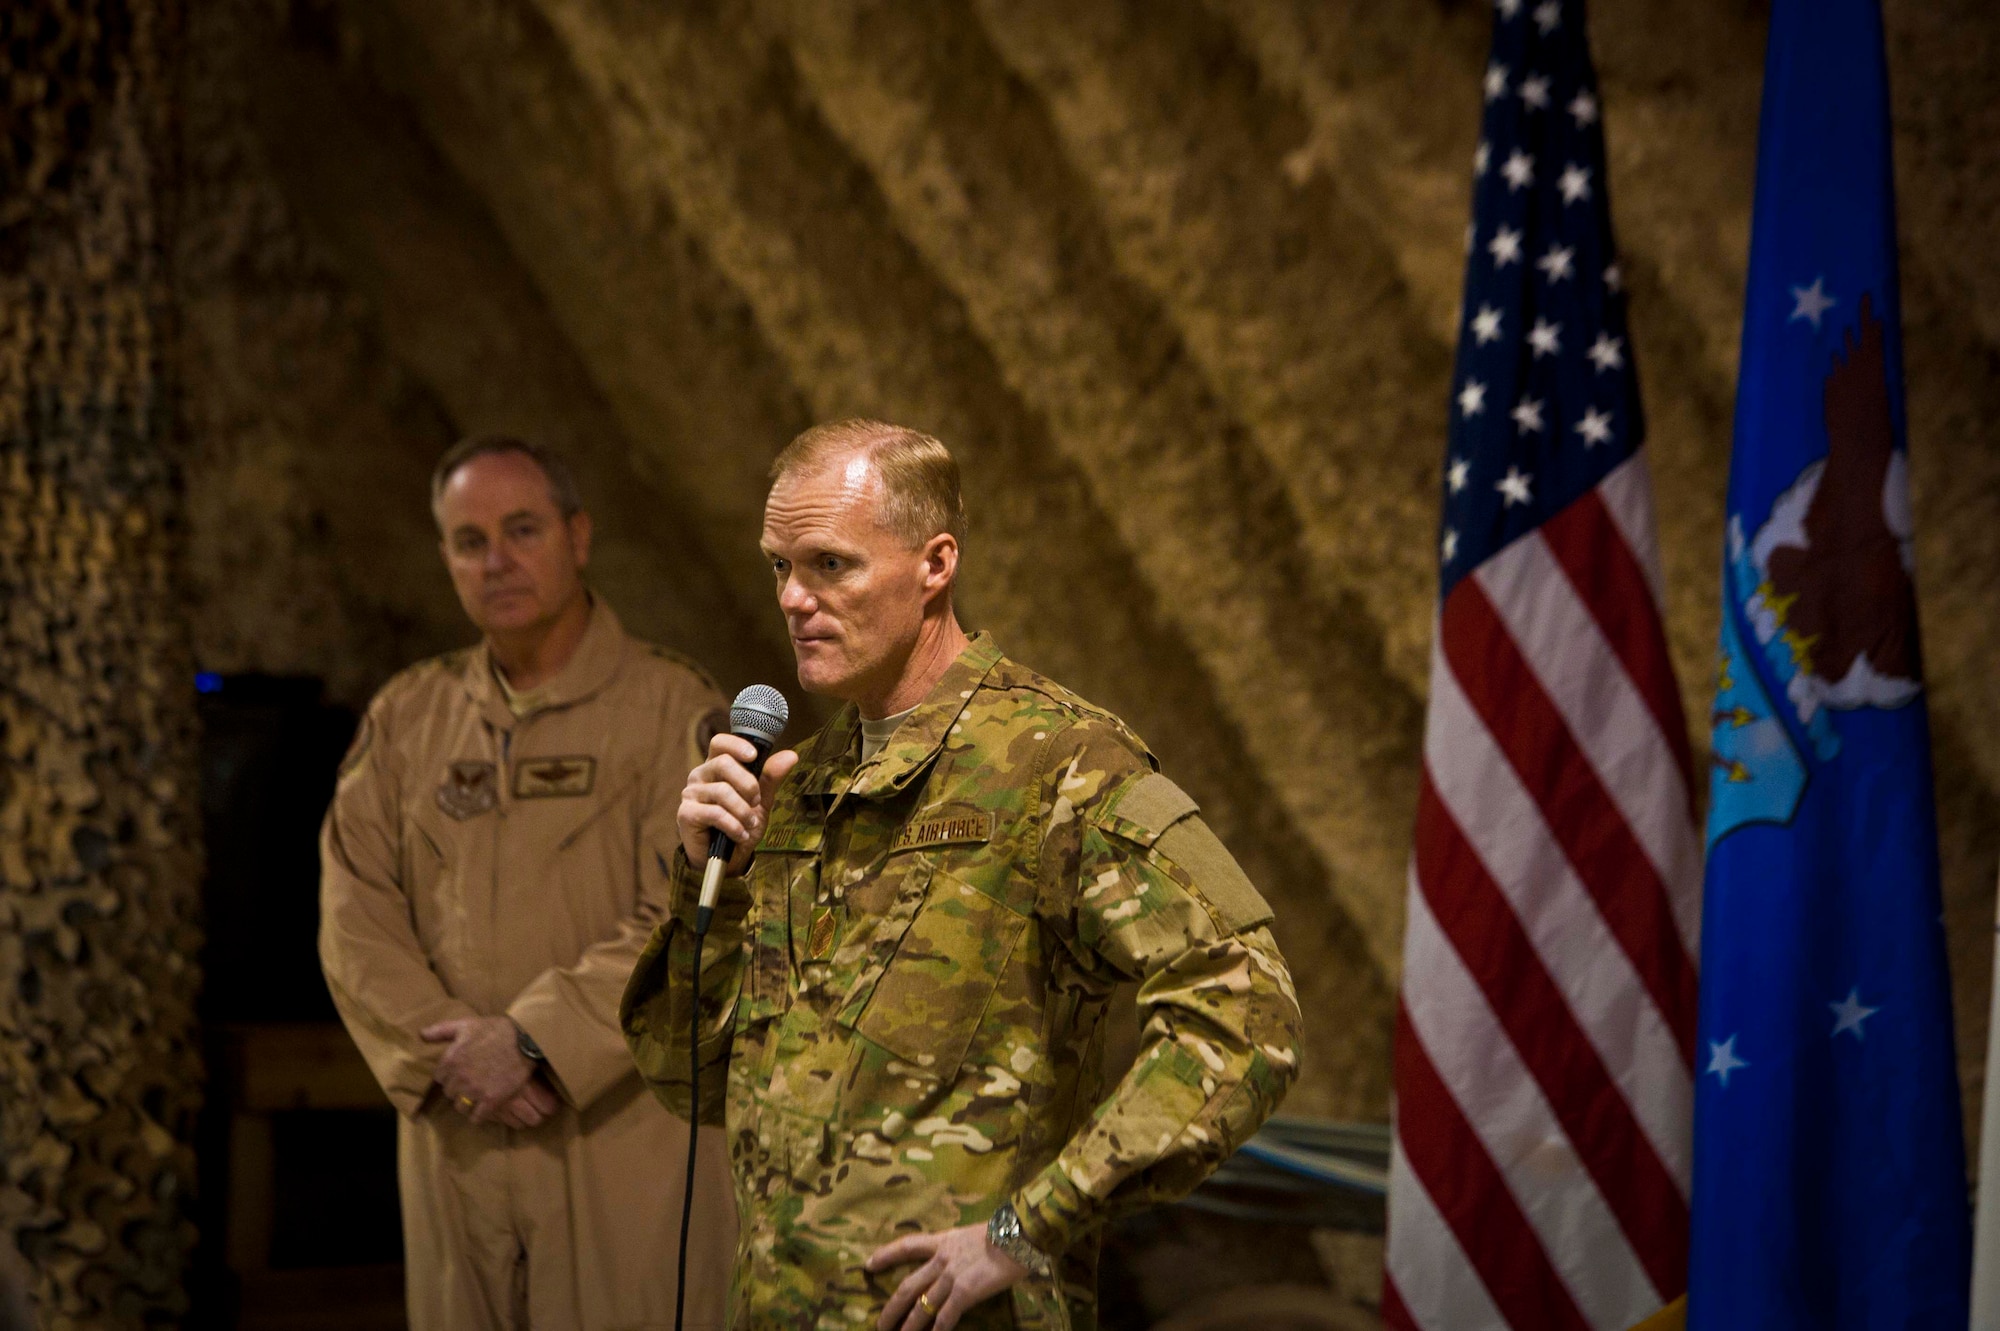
point(526, 1044)
point(1003, 1231)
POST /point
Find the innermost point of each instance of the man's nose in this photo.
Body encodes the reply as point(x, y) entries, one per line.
point(794, 599)
point(497, 559)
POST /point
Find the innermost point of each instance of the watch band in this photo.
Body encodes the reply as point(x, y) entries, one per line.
point(526, 1044)
point(1003, 1231)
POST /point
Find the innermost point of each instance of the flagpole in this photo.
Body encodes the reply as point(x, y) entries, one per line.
point(1986, 1217)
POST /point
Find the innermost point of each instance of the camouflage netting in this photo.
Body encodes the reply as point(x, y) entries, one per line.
point(99, 863)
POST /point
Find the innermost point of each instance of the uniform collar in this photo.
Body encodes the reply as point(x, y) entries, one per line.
point(589, 668)
point(916, 742)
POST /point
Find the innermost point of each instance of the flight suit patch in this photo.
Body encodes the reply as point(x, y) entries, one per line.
point(539, 778)
point(469, 790)
point(706, 727)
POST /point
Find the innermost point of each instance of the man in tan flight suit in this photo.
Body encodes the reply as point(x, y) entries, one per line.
point(493, 862)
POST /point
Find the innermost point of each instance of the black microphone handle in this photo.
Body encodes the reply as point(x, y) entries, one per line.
point(720, 846)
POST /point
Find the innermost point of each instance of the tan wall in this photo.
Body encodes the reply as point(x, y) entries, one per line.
point(1177, 280)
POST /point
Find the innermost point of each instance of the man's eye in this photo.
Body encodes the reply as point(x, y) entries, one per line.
point(780, 566)
point(522, 531)
point(831, 563)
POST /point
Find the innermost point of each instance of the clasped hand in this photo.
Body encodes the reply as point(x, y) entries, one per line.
point(487, 1076)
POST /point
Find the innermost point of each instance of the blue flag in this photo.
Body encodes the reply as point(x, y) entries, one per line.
point(1829, 1170)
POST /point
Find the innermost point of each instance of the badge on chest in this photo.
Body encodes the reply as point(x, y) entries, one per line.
point(822, 933)
point(469, 789)
point(544, 778)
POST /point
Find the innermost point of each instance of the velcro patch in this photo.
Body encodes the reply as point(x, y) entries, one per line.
point(541, 778)
point(1152, 804)
point(946, 827)
point(1218, 879)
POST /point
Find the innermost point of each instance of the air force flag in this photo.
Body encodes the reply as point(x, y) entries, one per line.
point(1829, 1171)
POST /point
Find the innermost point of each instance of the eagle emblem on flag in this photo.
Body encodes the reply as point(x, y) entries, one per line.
point(1824, 591)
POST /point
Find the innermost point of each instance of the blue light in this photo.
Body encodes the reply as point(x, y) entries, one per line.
point(207, 681)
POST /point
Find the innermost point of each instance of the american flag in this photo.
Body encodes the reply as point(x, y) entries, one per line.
point(1545, 1037)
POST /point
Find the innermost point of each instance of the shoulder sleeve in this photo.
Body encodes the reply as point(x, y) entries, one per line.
point(1155, 896)
point(1151, 811)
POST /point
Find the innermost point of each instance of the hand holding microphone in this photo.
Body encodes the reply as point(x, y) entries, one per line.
point(727, 798)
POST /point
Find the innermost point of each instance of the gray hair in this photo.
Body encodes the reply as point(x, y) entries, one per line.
point(562, 481)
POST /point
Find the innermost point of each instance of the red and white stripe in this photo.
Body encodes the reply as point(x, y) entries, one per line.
point(1545, 1039)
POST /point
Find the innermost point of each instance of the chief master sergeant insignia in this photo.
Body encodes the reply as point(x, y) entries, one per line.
point(469, 790)
point(554, 776)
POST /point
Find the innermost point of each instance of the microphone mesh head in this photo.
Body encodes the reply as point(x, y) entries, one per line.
point(760, 710)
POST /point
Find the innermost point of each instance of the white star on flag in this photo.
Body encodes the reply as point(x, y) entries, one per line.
point(1548, 15)
point(1812, 302)
point(1535, 93)
point(1722, 1059)
point(1496, 81)
point(1449, 546)
point(1519, 169)
point(1605, 352)
point(1595, 427)
point(1456, 474)
point(1614, 278)
point(1514, 485)
point(1545, 338)
point(1472, 398)
point(1506, 247)
point(1574, 183)
point(1528, 414)
point(1507, 8)
point(1486, 325)
point(1850, 1012)
point(1558, 263)
point(1583, 107)
point(1481, 157)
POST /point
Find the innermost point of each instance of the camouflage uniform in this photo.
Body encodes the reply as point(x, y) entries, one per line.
point(903, 1001)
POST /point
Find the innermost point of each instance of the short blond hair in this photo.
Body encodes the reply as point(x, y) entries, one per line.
point(920, 493)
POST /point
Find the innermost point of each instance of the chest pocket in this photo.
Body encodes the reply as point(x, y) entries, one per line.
point(928, 1001)
point(786, 867)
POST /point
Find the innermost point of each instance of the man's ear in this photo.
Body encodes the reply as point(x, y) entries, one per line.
point(579, 537)
point(940, 564)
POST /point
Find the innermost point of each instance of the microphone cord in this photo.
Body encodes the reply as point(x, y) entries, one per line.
point(694, 1121)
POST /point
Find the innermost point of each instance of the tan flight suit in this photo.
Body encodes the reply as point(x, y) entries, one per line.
point(476, 863)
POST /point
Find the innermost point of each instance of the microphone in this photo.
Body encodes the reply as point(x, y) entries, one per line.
point(759, 715)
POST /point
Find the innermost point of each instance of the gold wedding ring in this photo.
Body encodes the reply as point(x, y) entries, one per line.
point(924, 1302)
point(465, 1102)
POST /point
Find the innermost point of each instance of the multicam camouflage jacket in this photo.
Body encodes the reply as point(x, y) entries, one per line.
point(903, 1001)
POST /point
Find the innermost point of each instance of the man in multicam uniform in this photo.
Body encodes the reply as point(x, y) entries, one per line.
point(903, 998)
